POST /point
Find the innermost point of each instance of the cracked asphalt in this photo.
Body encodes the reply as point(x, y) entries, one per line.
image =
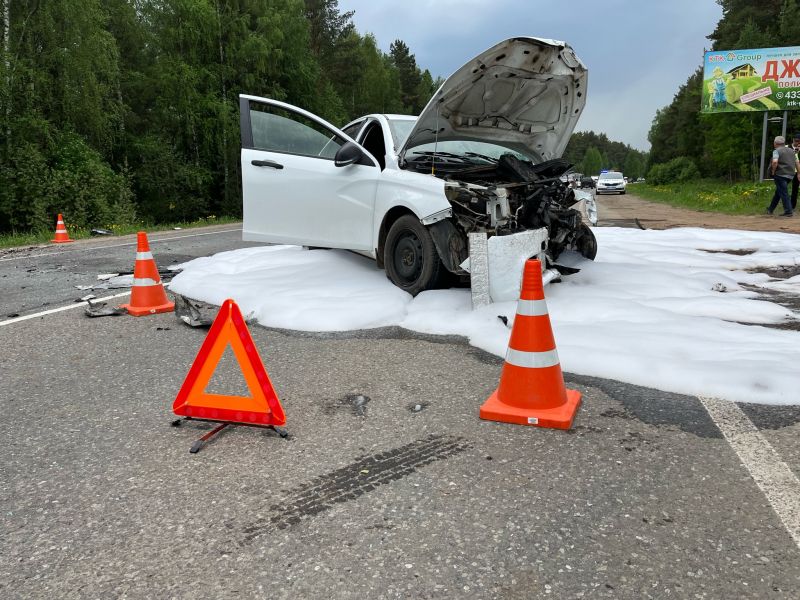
point(100, 497)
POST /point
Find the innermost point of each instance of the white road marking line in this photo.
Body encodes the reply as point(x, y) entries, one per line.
point(152, 241)
point(59, 309)
point(776, 480)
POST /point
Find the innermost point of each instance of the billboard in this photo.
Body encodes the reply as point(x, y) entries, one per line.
point(751, 80)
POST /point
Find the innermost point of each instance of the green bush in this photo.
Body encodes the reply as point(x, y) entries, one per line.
point(46, 172)
point(677, 170)
point(168, 187)
point(86, 188)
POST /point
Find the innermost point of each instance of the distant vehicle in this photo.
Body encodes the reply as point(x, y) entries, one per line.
point(611, 182)
point(574, 179)
point(587, 182)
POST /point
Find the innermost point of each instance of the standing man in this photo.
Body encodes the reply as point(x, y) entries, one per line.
point(795, 180)
point(785, 166)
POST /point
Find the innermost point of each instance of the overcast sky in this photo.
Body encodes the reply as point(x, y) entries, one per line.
point(638, 51)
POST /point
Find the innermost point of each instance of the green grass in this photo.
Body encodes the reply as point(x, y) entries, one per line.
point(9, 240)
point(710, 196)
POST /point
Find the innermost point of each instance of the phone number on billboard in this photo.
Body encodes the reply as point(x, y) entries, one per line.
point(793, 95)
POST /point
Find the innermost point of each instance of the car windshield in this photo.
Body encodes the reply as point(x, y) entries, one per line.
point(611, 176)
point(400, 129)
point(460, 148)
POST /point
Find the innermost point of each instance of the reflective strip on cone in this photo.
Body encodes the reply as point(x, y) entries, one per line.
point(532, 360)
point(145, 282)
point(532, 308)
point(144, 256)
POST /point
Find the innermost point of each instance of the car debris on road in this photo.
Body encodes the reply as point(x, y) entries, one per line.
point(194, 313)
point(101, 309)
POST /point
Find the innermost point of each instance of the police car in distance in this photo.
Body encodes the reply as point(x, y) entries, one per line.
point(610, 182)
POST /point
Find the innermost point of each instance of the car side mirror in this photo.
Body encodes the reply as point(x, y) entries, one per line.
point(348, 154)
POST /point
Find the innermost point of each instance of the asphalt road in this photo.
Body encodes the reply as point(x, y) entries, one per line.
point(37, 278)
point(99, 496)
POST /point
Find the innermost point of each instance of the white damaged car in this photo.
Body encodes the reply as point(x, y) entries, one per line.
point(484, 156)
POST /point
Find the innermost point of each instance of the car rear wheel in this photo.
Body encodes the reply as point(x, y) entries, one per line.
point(410, 257)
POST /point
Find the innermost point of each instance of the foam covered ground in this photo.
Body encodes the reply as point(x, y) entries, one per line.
point(655, 309)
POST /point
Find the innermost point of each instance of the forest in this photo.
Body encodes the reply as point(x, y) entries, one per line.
point(723, 146)
point(592, 152)
point(121, 111)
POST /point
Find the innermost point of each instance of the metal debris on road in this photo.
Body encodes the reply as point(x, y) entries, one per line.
point(194, 313)
point(100, 309)
point(101, 232)
point(113, 281)
point(360, 405)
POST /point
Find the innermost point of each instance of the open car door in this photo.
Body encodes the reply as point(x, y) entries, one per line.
point(293, 191)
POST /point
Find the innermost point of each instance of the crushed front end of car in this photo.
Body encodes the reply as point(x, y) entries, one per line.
point(504, 196)
point(495, 132)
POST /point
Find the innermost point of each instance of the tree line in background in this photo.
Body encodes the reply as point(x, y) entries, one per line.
point(688, 144)
point(592, 152)
point(113, 110)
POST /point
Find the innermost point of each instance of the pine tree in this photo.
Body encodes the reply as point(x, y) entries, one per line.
point(409, 75)
point(592, 162)
point(790, 23)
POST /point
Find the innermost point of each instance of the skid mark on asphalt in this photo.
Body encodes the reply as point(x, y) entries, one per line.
point(768, 470)
point(354, 480)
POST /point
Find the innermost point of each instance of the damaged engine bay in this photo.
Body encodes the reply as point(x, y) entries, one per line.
point(503, 196)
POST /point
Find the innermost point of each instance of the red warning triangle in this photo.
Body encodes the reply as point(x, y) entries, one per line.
point(261, 408)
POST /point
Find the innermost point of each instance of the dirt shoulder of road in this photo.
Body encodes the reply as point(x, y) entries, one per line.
point(625, 209)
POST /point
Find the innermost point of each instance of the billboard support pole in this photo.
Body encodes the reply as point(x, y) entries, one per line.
point(763, 146)
point(785, 120)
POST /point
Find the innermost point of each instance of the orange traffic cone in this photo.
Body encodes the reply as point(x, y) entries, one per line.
point(62, 237)
point(147, 294)
point(531, 390)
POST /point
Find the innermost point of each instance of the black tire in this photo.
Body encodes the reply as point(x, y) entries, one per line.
point(410, 257)
point(585, 242)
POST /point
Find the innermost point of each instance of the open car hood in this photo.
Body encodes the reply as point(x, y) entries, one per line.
point(525, 94)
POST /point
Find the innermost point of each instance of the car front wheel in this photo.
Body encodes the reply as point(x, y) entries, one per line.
point(410, 257)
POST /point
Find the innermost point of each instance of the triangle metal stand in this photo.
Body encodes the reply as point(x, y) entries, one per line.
point(199, 444)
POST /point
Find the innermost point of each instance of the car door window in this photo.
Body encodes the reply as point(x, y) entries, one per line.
point(277, 130)
point(372, 141)
point(353, 129)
